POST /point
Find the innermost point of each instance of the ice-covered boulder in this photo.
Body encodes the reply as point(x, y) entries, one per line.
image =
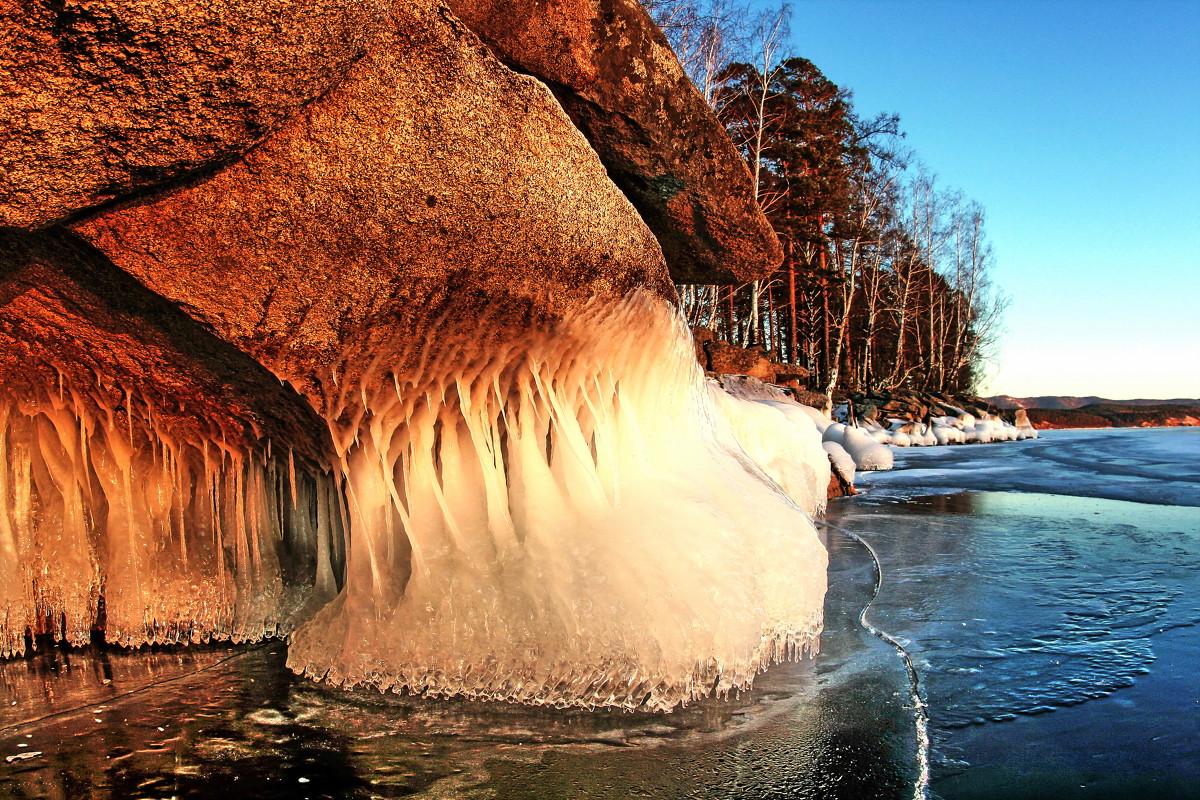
point(818, 417)
point(842, 461)
point(867, 453)
point(415, 242)
point(1024, 427)
point(784, 443)
point(947, 434)
point(834, 432)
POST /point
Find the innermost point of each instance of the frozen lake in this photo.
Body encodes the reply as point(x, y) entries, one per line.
point(1054, 629)
point(1053, 632)
point(1145, 465)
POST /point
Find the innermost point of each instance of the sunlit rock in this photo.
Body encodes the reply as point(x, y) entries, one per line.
point(104, 99)
point(615, 74)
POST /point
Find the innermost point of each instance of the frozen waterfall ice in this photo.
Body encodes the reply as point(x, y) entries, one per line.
point(574, 517)
point(111, 521)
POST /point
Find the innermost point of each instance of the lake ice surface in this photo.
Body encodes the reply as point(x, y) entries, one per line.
point(1053, 630)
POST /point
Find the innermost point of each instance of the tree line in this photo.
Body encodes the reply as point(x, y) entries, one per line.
point(885, 281)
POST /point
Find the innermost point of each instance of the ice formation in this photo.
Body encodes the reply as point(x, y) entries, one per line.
point(840, 460)
point(1025, 429)
point(784, 442)
point(818, 417)
point(834, 432)
point(110, 521)
point(959, 428)
point(566, 519)
point(867, 453)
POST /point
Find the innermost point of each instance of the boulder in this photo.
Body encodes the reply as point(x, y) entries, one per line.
point(838, 485)
point(433, 256)
point(729, 359)
point(791, 375)
point(431, 183)
point(619, 80)
point(104, 99)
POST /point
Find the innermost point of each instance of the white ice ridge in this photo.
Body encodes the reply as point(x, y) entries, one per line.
point(565, 518)
point(108, 521)
point(959, 429)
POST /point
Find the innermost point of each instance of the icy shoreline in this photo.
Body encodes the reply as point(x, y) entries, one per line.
point(1045, 593)
point(1144, 465)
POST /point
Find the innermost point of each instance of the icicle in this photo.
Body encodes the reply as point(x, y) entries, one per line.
point(92, 504)
point(569, 519)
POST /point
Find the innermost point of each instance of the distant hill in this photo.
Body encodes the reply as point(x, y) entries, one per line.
point(1116, 415)
point(1050, 401)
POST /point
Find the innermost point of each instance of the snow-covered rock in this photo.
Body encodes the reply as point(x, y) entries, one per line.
point(867, 453)
point(842, 461)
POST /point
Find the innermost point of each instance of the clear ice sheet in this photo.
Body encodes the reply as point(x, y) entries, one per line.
point(1145, 465)
point(1056, 636)
point(237, 723)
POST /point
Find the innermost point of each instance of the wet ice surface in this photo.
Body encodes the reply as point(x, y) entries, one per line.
point(236, 723)
point(1147, 465)
point(1057, 638)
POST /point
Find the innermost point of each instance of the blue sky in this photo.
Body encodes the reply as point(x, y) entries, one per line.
point(1076, 123)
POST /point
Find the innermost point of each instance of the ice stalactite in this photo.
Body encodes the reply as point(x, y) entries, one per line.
point(563, 517)
point(111, 521)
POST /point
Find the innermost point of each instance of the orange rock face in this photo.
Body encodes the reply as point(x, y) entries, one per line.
point(615, 74)
point(70, 321)
point(102, 99)
point(431, 183)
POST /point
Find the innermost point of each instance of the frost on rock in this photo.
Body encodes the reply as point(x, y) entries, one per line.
point(109, 521)
point(565, 518)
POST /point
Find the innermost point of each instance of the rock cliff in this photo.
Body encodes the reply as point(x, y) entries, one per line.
point(348, 300)
point(617, 77)
point(101, 100)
